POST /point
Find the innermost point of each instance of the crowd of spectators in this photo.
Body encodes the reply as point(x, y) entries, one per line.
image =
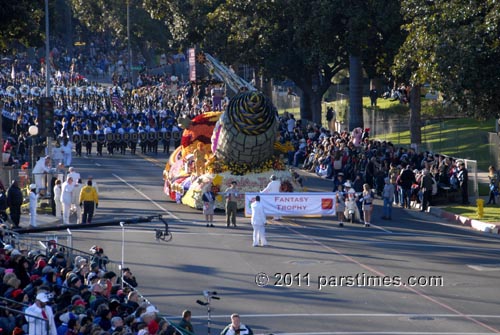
point(71, 296)
point(356, 157)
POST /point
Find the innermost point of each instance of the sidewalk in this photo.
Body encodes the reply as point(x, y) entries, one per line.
point(478, 225)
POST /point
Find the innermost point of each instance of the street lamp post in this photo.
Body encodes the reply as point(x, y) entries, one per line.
point(33, 131)
point(47, 51)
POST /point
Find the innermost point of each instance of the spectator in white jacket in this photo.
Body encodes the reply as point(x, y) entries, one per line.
point(66, 198)
point(258, 223)
point(40, 316)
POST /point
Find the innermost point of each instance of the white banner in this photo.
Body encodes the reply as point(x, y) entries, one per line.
point(293, 204)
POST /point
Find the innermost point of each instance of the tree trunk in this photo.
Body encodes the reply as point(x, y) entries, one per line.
point(415, 120)
point(267, 87)
point(310, 106)
point(355, 92)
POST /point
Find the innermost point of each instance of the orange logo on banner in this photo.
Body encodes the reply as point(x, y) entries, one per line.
point(326, 203)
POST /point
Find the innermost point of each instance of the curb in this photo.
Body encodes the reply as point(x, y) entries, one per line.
point(465, 221)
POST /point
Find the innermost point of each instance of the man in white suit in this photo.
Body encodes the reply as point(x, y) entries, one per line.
point(258, 223)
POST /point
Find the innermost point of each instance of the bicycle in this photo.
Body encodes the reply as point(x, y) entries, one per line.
point(164, 235)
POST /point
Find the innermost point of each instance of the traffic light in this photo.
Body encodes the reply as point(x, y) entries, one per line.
point(46, 117)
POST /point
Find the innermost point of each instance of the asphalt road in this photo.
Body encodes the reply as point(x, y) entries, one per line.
point(314, 278)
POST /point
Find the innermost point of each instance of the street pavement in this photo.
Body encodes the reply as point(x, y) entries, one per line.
point(314, 278)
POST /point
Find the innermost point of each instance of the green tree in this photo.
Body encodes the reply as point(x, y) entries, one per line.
point(296, 39)
point(453, 46)
point(414, 59)
point(22, 21)
point(373, 40)
point(110, 17)
point(467, 54)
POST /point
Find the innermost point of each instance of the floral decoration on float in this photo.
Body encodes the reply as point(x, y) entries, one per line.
point(236, 145)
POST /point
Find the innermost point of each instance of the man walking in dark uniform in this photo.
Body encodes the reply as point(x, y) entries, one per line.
point(14, 201)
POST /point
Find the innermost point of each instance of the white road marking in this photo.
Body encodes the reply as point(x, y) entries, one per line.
point(381, 228)
point(485, 267)
point(146, 197)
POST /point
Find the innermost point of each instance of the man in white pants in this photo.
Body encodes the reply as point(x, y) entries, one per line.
point(274, 186)
point(66, 198)
point(75, 201)
point(258, 223)
point(57, 198)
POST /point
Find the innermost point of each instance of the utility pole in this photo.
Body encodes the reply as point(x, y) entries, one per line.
point(128, 44)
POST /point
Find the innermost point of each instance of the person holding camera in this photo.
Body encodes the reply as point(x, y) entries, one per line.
point(236, 327)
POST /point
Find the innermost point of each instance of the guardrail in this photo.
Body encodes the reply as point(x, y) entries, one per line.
point(26, 316)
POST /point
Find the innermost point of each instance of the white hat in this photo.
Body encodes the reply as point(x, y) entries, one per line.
point(42, 296)
point(149, 310)
point(347, 184)
point(8, 247)
point(351, 191)
point(32, 186)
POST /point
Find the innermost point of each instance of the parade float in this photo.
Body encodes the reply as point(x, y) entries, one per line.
point(239, 144)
